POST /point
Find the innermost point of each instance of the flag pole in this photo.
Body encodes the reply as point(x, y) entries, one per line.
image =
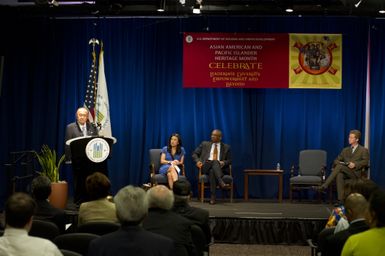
point(94, 42)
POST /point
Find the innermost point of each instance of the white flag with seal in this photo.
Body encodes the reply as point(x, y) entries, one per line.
point(102, 103)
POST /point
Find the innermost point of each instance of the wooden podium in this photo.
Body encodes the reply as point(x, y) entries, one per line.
point(89, 154)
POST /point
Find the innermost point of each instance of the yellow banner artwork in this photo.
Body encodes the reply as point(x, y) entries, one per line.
point(315, 61)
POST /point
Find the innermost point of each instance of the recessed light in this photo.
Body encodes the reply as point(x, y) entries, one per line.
point(289, 10)
point(381, 11)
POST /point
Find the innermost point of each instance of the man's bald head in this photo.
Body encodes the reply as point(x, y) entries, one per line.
point(160, 197)
point(356, 206)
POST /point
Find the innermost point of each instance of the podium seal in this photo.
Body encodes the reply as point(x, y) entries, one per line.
point(97, 150)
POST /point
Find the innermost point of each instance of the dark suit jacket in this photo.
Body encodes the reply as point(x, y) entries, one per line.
point(336, 242)
point(131, 240)
point(202, 153)
point(198, 216)
point(73, 131)
point(45, 211)
point(360, 157)
point(171, 225)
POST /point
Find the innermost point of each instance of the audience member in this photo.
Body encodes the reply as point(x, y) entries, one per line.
point(338, 221)
point(41, 190)
point(370, 242)
point(163, 221)
point(356, 206)
point(200, 217)
point(100, 208)
point(172, 158)
point(19, 210)
point(131, 238)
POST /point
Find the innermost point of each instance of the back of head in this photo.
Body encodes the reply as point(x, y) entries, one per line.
point(97, 186)
point(377, 207)
point(181, 189)
point(356, 206)
point(365, 187)
point(41, 187)
point(19, 209)
point(160, 197)
point(131, 205)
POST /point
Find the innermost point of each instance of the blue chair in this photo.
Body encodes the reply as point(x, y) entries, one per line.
point(156, 177)
point(204, 183)
point(311, 170)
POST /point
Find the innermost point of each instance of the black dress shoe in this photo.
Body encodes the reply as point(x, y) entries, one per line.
point(222, 184)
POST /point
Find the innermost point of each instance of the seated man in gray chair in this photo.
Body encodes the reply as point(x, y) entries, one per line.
point(214, 157)
point(348, 165)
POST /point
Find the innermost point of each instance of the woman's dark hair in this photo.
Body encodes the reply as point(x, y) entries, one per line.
point(98, 186)
point(178, 147)
point(41, 187)
point(377, 207)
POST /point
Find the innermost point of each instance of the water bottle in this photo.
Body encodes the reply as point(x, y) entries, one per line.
point(278, 167)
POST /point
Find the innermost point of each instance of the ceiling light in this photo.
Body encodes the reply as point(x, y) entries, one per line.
point(197, 7)
point(289, 10)
point(381, 11)
point(358, 3)
point(162, 6)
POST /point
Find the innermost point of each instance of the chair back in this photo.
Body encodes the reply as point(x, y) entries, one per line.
point(76, 242)
point(98, 228)
point(44, 229)
point(154, 154)
point(69, 253)
point(199, 239)
point(311, 162)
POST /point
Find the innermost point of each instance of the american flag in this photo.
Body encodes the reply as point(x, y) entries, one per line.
point(90, 98)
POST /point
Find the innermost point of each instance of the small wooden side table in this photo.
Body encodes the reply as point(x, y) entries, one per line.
point(255, 172)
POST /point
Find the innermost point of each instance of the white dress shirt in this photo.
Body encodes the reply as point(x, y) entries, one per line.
point(17, 242)
point(212, 151)
point(83, 128)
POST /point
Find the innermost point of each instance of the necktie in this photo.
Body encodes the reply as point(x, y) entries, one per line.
point(215, 153)
point(84, 131)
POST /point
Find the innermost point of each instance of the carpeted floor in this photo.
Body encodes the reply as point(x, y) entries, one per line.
point(257, 250)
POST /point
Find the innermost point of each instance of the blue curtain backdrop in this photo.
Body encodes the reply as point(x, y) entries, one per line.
point(47, 64)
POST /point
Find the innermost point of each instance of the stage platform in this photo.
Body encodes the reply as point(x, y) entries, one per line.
point(265, 222)
point(257, 221)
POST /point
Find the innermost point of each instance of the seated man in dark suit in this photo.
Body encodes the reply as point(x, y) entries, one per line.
point(200, 217)
point(214, 157)
point(131, 238)
point(41, 190)
point(348, 164)
point(356, 207)
point(163, 221)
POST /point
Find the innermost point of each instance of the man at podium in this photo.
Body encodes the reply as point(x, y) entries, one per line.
point(81, 128)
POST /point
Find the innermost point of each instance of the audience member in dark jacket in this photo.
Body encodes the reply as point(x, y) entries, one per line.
point(131, 208)
point(41, 189)
point(356, 207)
point(163, 221)
point(200, 217)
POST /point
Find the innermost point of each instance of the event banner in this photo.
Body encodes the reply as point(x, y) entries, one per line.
point(248, 60)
